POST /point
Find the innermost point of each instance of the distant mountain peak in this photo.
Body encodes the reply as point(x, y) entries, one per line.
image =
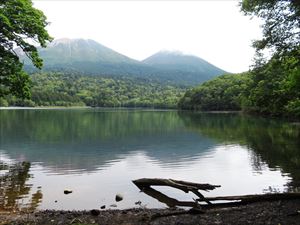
point(170, 52)
point(86, 56)
point(186, 63)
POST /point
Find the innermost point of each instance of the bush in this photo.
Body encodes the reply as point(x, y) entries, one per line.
point(3, 102)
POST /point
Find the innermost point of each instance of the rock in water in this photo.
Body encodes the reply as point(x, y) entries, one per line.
point(67, 191)
point(119, 197)
point(103, 207)
point(138, 203)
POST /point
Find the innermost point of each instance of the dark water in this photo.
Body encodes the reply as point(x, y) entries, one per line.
point(96, 153)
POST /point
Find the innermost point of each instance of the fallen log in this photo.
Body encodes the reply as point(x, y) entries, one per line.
point(255, 198)
point(145, 184)
point(247, 199)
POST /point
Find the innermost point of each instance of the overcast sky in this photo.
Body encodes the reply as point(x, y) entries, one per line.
point(214, 30)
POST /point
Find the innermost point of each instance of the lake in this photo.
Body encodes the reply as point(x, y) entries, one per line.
point(98, 152)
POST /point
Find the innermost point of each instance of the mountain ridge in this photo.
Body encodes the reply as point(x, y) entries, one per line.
point(89, 57)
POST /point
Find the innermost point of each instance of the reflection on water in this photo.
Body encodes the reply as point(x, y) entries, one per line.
point(14, 189)
point(97, 153)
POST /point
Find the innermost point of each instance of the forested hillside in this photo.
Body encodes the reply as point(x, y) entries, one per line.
point(222, 93)
point(59, 89)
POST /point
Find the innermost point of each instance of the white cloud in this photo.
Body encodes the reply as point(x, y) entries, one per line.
point(214, 30)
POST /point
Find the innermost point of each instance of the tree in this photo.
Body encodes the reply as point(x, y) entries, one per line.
point(275, 82)
point(21, 25)
point(281, 28)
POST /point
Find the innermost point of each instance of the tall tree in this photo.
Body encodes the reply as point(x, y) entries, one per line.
point(281, 28)
point(21, 25)
point(276, 82)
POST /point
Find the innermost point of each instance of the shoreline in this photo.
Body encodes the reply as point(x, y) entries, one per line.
point(284, 212)
point(116, 108)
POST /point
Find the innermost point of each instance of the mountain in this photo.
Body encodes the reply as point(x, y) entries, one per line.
point(193, 67)
point(79, 50)
point(84, 57)
point(88, 57)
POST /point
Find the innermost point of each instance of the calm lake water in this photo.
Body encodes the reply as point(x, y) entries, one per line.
point(97, 153)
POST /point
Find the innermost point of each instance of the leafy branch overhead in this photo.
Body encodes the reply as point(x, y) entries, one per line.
point(281, 28)
point(21, 25)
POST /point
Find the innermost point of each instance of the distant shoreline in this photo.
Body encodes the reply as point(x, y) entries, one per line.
point(88, 107)
point(46, 107)
point(114, 108)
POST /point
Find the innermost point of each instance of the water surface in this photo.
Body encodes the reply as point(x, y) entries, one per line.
point(96, 153)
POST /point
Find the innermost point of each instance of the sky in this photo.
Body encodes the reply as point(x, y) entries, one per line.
point(214, 30)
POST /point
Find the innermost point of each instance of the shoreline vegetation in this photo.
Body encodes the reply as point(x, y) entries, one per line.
point(64, 89)
point(229, 92)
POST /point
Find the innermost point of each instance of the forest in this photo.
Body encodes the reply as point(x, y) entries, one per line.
point(271, 87)
point(62, 89)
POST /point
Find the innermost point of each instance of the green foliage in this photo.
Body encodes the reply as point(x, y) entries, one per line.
point(272, 86)
point(20, 24)
point(221, 93)
point(276, 82)
point(293, 107)
point(58, 89)
point(3, 102)
point(281, 28)
point(275, 86)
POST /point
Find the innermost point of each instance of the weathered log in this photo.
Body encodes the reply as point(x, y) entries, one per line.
point(145, 184)
point(181, 185)
point(245, 199)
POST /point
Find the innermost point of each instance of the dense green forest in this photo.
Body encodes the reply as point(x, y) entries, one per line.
point(59, 89)
point(221, 93)
point(270, 89)
point(272, 86)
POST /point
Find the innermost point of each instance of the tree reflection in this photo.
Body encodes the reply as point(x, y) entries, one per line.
point(14, 189)
point(272, 142)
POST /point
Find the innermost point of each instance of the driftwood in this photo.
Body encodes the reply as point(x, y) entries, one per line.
point(145, 184)
point(246, 199)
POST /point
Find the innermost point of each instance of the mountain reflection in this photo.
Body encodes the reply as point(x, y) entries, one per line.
point(67, 141)
point(87, 140)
